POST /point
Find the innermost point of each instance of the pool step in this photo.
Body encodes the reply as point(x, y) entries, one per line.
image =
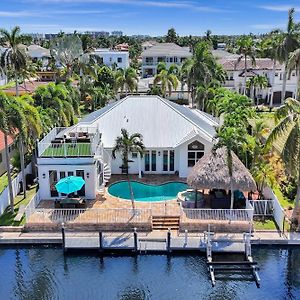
point(165, 222)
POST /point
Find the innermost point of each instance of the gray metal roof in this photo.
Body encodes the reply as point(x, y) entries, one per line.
point(167, 49)
point(98, 113)
point(201, 120)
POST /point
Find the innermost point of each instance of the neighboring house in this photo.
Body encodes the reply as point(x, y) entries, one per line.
point(111, 57)
point(148, 44)
point(122, 47)
point(11, 150)
point(262, 67)
point(169, 53)
point(3, 78)
point(116, 33)
point(175, 137)
point(38, 53)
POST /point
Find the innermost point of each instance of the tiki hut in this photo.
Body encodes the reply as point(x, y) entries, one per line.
point(211, 172)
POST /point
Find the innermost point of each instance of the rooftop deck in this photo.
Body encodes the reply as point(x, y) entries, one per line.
point(76, 141)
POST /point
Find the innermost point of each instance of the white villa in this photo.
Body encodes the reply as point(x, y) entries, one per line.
point(113, 57)
point(169, 53)
point(263, 67)
point(175, 137)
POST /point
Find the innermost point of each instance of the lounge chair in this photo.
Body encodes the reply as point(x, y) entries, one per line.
point(20, 213)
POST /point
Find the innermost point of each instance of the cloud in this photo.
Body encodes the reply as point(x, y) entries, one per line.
point(284, 7)
point(162, 4)
point(267, 26)
point(10, 14)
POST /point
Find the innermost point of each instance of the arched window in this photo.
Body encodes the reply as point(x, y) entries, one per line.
point(195, 152)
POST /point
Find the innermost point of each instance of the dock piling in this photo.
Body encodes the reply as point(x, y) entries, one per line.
point(169, 240)
point(186, 237)
point(135, 240)
point(100, 241)
point(63, 236)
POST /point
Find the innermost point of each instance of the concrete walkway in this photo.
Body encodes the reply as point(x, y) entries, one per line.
point(263, 238)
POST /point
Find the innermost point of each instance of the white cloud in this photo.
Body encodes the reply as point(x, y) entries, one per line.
point(267, 26)
point(10, 14)
point(284, 7)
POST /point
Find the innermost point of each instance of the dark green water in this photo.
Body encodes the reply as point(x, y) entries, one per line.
point(44, 273)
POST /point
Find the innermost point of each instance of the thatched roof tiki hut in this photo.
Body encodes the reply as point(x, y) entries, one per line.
point(212, 172)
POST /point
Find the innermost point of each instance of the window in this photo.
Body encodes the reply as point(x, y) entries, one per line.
point(195, 152)
point(168, 160)
point(134, 155)
point(171, 59)
point(150, 161)
point(81, 192)
point(70, 173)
point(119, 59)
point(175, 59)
point(276, 74)
point(1, 159)
point(52, 182)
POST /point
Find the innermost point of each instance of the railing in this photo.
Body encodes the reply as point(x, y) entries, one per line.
point(31, 206)
point(218, 214)
point(92, 216)
point(262, 207)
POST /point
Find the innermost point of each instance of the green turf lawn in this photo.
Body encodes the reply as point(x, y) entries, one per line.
point(79, 149)
point(4, 181)
point(267, 224)
point(284, 202)
point(7, 218)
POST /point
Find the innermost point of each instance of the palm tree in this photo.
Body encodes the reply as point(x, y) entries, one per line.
point(126, 144)
point(11, 120)
point(126, 79)
point(205, 92)
point(13, 59)
point(250, 85)
point(167, 78)
point(29, 132)
point(260, 82)
point(294, 64)
point(289, 125)
point(246, 47)
point(289, 43)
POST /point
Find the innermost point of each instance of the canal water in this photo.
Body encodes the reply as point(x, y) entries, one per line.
point(45, 273)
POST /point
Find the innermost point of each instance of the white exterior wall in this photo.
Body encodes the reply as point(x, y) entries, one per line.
point(111, 57)
point(44, 183)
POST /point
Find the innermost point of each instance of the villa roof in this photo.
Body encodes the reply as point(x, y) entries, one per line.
point(10, 140)
point(161, 122)
point(211, 172)
point(232, 64)
point(38, 51)
point(167, 49)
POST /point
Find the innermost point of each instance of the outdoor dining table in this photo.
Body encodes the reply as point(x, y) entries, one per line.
point(71, 202)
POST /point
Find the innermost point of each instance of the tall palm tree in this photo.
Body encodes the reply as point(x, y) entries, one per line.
point(246, 48)
point(289, 43)
point(11, 120)
point(126, 79)
point(294, 64)
point(126, 144)
point(205, 92)
point(167, 78)
point(289, 125)
point(13, 59)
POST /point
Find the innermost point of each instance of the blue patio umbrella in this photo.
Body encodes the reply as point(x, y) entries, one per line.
point(70, 184)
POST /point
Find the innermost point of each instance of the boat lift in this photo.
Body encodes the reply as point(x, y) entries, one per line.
point(246, 265)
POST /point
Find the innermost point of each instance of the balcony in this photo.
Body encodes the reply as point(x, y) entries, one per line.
point(77, 141)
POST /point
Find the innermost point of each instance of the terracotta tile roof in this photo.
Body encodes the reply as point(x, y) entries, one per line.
point(10, 141)
point(232, 64)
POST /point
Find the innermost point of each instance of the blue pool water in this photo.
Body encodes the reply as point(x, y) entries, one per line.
point(146, 192)
point(45, 273)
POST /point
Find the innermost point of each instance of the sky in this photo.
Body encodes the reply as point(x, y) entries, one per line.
point(149, 17)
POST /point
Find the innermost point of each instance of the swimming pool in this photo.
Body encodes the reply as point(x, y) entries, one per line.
point(147, 192)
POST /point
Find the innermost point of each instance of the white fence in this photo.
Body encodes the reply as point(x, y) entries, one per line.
point(32, 205)
point(278, 211)
point(262, 207)
point(4, 196)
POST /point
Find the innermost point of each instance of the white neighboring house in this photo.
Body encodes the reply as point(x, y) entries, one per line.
point(175, 137)
point(37, 52)
point(112, 57)
point(3, 77)
point(169, 53)
point(262, 67)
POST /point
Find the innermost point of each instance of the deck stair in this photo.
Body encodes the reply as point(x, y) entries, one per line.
point(246, 265)
point(106, 172)
point(165, 222)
